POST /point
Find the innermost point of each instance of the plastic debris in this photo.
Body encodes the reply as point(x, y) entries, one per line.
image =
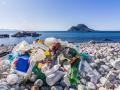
point(21, 47)
point(50, 62)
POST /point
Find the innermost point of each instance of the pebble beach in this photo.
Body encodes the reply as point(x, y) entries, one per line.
point(106, 63)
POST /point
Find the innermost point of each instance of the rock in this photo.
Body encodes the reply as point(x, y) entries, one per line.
point(90, 85)
point(12, 79)
point(33, 78)
point(111, 76)
point(34, 88)
point(105, 67)
point(22, 87)
point(93, 65)
point(109, 85)
point(26, 89)
point(62, 83)
point(102, 88)
point(4, 35)
point(26, 34)
point(103, 80)
point(97, 61)
point(93, 74)
point(116, 83)
point(4, 85)
point(83, 81)
point(38, 82)
point(12, 89)
point(45, 88)
point(99, 85)
point(66, 88)
point(116, 64)
point(4, 74)
point(119, 75)
point(81, 87)
point(94, 77)
point(92, 42)
point(56, 88)
point(16, 87)
point(108, 39)
point(102, 71)
point(118, 88)
point(72, 89)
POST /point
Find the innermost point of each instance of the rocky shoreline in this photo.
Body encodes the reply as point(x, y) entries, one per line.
point(106, 58)
point(5, 49)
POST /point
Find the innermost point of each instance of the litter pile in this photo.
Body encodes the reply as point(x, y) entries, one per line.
point(51, 64)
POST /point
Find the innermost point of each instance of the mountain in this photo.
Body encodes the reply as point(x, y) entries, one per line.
point(81, 28)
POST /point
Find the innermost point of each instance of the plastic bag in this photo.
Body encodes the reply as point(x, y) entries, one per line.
point(22, 46)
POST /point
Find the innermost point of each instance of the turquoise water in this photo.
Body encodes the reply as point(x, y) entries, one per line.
point(69, 36)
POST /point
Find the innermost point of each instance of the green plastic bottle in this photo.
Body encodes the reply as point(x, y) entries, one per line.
point(73, 77)
point(74, 73)
point(39, 74)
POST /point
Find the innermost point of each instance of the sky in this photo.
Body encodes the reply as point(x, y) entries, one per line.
point(59, 14)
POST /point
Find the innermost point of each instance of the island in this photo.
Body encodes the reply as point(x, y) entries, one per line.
point(81, 28)
point(26, 34)
point(4, 35)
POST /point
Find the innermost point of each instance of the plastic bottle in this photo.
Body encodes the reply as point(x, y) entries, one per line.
point(73, 77)
point(52, 70)
point(66, 80)
point(55, 77)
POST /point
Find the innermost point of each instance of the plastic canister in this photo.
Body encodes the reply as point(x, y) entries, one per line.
point(66, 80)
point(55, 77)
point(52, 70)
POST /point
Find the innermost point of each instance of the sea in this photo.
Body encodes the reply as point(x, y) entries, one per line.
point(78, 37)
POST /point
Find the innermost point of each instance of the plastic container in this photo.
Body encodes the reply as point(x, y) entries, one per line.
point(55, 77)
point(22, 64)
point(52, 70)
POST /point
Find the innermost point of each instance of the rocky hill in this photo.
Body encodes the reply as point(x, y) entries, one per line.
point(81, 28)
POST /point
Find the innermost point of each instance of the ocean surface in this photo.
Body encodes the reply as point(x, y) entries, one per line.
point(64, 35)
